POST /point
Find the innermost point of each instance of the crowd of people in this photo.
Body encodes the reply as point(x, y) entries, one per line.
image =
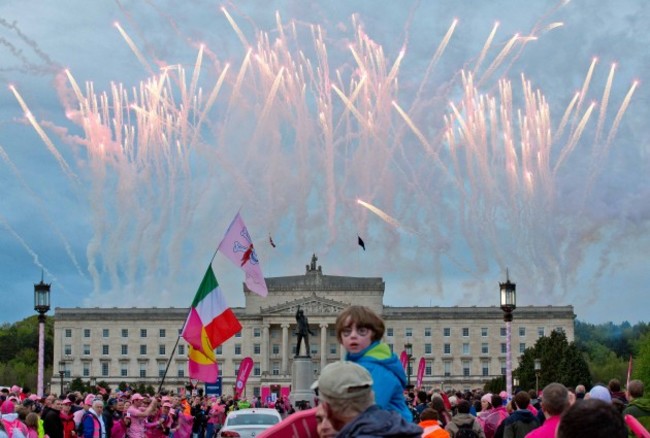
point(362, 396)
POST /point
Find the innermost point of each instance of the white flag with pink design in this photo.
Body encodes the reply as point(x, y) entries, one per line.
point(237, 245)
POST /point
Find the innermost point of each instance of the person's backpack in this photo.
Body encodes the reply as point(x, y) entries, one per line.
point(15, 428)
point(466, 431)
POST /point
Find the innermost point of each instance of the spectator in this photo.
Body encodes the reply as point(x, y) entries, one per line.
point(360, 331)
point(138, 416)
point(345, 390)
point(555, 400)
point(52, 423)
point(67, 419)
point(438, 405)
point(601, 393)
point(638, 407)
point(591, 418)
point(496, 416)
point(93, 423)
point(430, 424)
point(521, 421)
point(324, 427)
point(614, 387)
point(31, 421)
point(581, 391)
point(464, 420)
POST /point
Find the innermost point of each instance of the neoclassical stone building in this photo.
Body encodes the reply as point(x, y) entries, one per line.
point(461, 346)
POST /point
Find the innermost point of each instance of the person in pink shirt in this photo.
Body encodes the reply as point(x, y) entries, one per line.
point(555, 400)
point(139, 415)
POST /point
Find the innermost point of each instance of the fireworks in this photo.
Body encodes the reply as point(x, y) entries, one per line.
point(297, 129)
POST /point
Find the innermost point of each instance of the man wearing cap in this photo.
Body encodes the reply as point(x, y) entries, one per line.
point(345, 390)
point(138, 415)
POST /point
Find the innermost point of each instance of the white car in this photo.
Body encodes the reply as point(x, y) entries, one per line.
point(248, 423)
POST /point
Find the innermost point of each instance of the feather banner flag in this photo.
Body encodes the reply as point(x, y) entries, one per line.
point(404, 359)
point(237, 246)
point(209, 324)
point(245, 368)
point(421, 366)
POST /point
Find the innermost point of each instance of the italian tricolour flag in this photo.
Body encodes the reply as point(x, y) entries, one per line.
point(209, 324)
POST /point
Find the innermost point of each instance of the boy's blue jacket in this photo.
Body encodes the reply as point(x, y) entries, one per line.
point(387, 374)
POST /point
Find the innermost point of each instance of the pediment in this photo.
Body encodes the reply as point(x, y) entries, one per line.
point(311, 305)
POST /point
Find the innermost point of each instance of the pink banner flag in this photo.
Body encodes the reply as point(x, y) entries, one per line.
point(421, 366)
point(245, 368)
point(404, 359)
point(237, 245)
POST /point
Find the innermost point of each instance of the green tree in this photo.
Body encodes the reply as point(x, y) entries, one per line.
point(641, 364)
point(495, 385)
point(561, 362)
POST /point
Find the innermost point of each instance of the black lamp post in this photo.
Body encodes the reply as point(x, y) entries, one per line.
point(61, 373)
point(408, 347)
point(538, 371)
point(508, 301)
point(41, 305)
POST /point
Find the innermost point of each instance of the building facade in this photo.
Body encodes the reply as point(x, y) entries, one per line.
point(463, 347)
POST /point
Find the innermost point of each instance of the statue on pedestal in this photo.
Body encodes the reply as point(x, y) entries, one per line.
point(303, 332)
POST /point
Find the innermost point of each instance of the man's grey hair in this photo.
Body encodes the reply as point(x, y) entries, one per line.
point(350, 407)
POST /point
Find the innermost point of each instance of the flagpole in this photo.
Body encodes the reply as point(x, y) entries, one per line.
point(170, 361)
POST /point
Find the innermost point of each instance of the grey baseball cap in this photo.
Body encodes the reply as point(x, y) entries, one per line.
point(343, 380)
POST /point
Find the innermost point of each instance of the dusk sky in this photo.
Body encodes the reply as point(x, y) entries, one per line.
point(457, 138)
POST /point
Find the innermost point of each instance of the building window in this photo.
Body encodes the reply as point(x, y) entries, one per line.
point(257, 371)
point(143, 369)
point(465, 332)
point(428, 368)
point(86, 350)
point(219, 350)
point(257, 348)
point(238, 334)
point(522, 331)
point(86, 370)
point(485, 368)
point(446, 349)
point(162, 334)
point(502, 331)
point(143, 350)
point(466, 348)
point(559, 329)
point(389, 332)
point(124, 370)
point(466, 365)
point(181, 372)
point(504, 348)
point(332, 348)
point(181, 349)
point(314, 349)
point(427, 348)
point(68, 333)
point(161, 369)
point(427, 332)
point(105, 333)
point(447, 368)
point(125, 333)
point(540, 331)
point(161, 350)
point(408, 332)
point(105, 350)
point(484, 332)
point(67, 349)
point(522, 347)
point(446, 332)
point(502, 365)
point(485, 348)
point(275, 349)
point(86, 333)
point(237, 349)
point(257, 332)
point(125, 349)
point(143, 333)
point(275, 368)
point(332, 332)
point(104, 369)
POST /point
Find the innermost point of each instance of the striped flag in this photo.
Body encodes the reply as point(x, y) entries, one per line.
point(209, 324)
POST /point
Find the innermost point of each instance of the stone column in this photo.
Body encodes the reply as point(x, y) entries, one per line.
point(285, 347)
point(265, 348)
point(323, 345)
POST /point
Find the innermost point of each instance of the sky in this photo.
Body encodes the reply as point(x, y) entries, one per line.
point(463, 141)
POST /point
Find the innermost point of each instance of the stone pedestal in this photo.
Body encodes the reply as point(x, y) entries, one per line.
point(302, 377)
